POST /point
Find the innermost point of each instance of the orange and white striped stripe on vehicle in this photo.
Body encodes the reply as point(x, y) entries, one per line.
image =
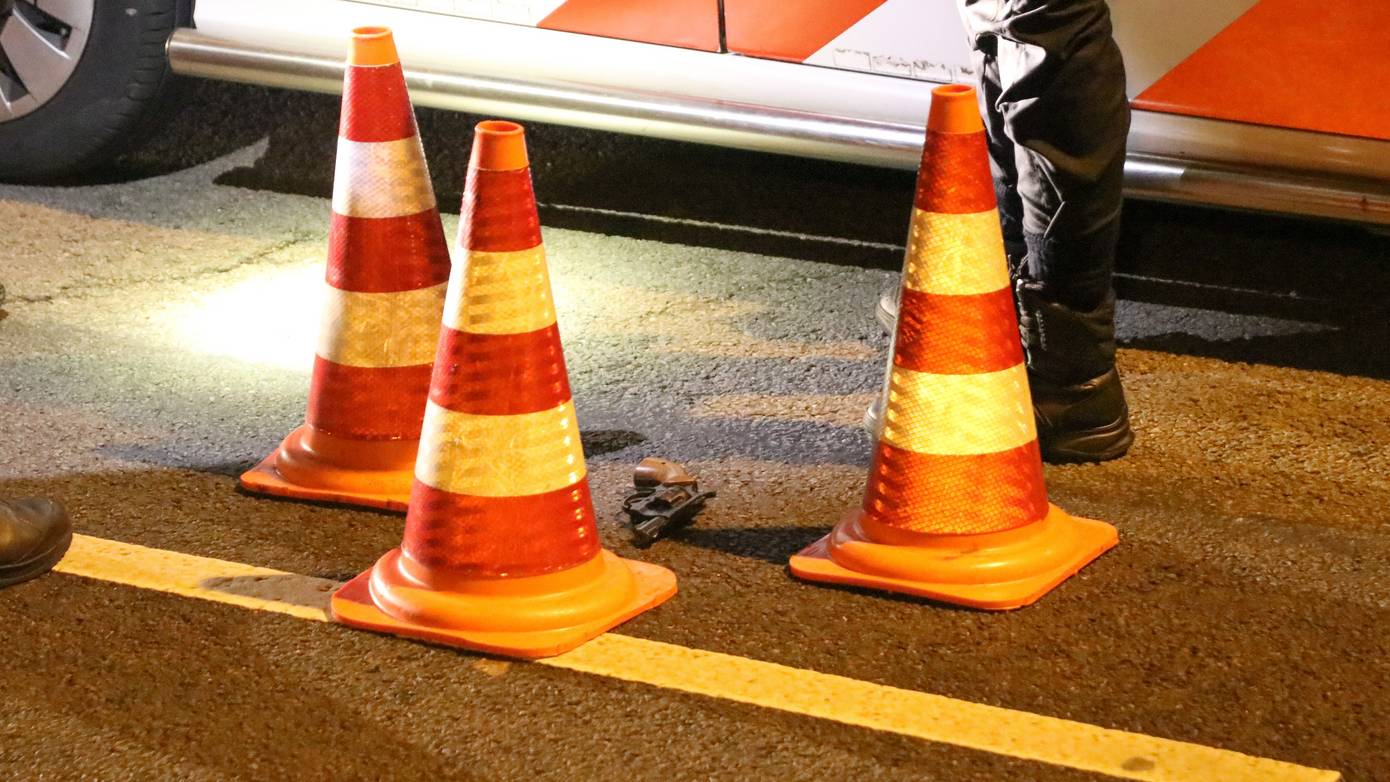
point(1318, 65)
point(1267, 62)
point(691, 24)
point(916, 39)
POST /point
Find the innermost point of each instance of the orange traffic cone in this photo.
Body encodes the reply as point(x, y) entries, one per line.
point(955, 508)
point(501, 552)
point(388, 265)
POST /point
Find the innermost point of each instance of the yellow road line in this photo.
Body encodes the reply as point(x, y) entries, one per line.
point(840, 699)
point(217, 580)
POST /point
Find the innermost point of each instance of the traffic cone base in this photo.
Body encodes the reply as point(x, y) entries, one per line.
point(530, 617)
point(996, 571)
point(312, 465)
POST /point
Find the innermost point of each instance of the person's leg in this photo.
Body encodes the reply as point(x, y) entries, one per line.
point(1052, 87)
point(34, 535)
point(980, 14)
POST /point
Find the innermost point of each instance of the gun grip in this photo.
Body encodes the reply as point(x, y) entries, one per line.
point(654, 471)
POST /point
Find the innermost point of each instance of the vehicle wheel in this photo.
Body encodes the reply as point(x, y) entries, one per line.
point(77, 79)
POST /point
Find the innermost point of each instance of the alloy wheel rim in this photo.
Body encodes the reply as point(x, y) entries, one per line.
point(40, 44)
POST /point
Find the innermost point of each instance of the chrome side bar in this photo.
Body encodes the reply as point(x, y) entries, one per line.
point(764, 129)
point(1165, 179)
point(663, 116)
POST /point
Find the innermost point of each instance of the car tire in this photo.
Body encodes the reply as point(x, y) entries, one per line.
point(106, 100)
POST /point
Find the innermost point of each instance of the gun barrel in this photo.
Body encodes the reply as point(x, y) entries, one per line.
point(646, 532)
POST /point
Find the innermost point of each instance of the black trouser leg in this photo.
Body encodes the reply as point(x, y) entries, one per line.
point(1052, 88)
point(1001, 161)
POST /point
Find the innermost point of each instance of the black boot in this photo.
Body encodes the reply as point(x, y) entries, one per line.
point(1079, 404)
point(34, 535)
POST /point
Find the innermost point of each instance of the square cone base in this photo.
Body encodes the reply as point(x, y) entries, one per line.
point(368, 486)
point(965, 572)
point(352, 605)
point(264, 478)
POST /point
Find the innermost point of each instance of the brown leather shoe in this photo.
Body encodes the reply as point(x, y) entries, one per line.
point(34, 534)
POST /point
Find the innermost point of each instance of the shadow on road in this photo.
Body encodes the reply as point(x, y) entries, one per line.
point(604, 441)
point(1331, 277)
point(287, 588)
point(767, 544)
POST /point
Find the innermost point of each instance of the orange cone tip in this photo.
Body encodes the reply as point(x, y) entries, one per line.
point(498, 146)
point(954, 110)
point(372, 46)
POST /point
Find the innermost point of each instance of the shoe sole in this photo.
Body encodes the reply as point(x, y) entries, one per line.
point(1101, 444)
point(36, 566)
point(871, 419)
point(886, 312)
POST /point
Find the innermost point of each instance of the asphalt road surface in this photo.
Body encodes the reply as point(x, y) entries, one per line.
point(717, 309)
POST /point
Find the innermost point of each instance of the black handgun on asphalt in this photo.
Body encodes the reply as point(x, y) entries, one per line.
point(667, 497)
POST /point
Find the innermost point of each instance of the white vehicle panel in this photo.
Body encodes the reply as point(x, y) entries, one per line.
point(533, 74)
point(907, 38)
point(456, 44)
